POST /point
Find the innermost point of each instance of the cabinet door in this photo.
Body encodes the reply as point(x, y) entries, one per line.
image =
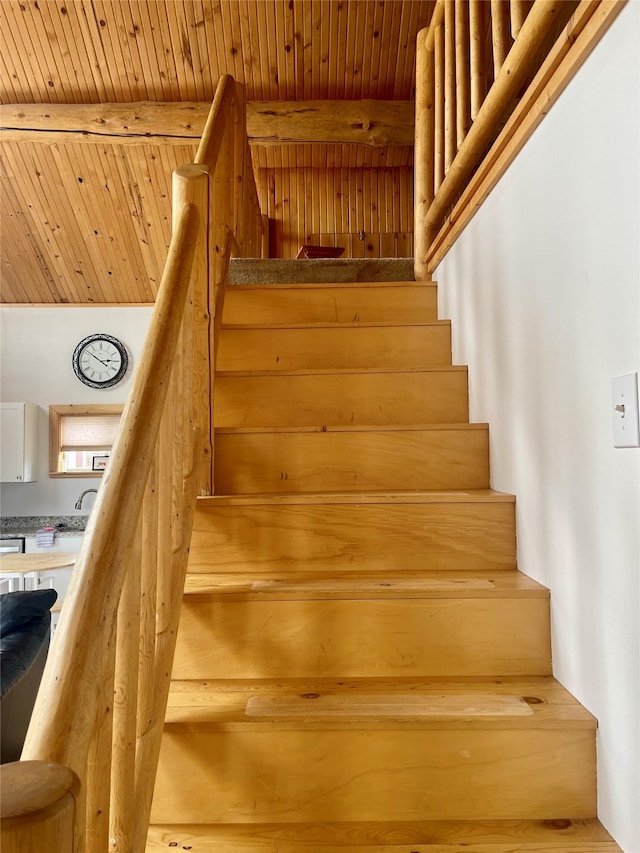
point(11, 443)
point(18, 442)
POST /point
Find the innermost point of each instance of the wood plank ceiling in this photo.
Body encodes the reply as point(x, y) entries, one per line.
point(90, 222)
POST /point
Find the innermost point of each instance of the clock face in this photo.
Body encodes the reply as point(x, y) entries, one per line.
point(100, 361)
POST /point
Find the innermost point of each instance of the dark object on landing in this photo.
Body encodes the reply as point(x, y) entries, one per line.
point(319, 252)
point(25, 629)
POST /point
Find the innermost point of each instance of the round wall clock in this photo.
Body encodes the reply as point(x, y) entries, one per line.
point(100, 361)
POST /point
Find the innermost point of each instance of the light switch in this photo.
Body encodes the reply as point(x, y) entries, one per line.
point(626, 429)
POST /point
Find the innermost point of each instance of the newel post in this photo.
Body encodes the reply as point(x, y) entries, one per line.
point(38, 805)
point(424, 152)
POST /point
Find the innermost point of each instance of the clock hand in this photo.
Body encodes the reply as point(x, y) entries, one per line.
point(105, 363)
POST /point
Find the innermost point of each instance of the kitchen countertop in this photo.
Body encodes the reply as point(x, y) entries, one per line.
point(19, 564)
point(28, 525)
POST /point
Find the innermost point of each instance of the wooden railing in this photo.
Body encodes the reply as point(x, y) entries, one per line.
point(485, 70)
point(86, 777)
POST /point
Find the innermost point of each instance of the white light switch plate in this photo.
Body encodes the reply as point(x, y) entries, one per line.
point(624, 395)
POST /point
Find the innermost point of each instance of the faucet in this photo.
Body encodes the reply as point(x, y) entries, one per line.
point(86, 492)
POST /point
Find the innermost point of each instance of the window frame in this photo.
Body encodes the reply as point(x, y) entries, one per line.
point(56, 414)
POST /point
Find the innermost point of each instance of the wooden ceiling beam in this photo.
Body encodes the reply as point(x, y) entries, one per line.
point(369, 122)
point(380, 124)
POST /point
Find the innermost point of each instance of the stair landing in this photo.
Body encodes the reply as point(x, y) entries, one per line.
point(516, 836)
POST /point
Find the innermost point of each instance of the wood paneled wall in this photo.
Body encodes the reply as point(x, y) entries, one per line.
point(367, 211)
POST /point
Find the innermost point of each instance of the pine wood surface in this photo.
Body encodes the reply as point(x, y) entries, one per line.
point(378, 124)
point(409, 531)
point(425, 345)
point(372, 496)
point(517, 836)
point(355, 644)
point(466, 635)
point(425, 458)
point(61, 245)
point(429, 396)
point(37, 807)
point(321, 304)
point(447, 702)
point(505, 774)
point(580, 36)
point(360, 585)
point(361, 199)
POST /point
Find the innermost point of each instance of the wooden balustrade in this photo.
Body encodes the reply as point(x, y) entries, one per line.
point(93, 743)
point(474, 62)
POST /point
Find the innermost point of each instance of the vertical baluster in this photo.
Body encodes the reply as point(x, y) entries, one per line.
point(519, 12)
point(125, 703)
point(177, 375)
point(240, 196)
point(463, 98)
point(152, 706)
point(450, 137)
point(221, 196)
point(148, 586)
point(424, 150)
point(500, 33)
point(263, 237)
point(438, 46)
point(165, 508)
point(98, 775)
point(182, 478)
point(477, 55)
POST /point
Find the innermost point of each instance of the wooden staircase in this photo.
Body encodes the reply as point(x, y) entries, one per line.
point(359, 664)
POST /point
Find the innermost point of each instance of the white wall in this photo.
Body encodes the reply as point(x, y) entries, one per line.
point(543, 288)
point(36, 345)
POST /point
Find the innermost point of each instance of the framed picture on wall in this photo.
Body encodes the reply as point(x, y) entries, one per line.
point(99, 463)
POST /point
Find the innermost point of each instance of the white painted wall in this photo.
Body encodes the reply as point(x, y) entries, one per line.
point(543, 288)
point(36, 345)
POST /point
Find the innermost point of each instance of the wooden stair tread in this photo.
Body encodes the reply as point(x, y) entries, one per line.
point(325, 285)
point(369, 497)
point(323, 324)
point(346, 327)
point(295, 586)
point(351, 428)
point(439, 703)
point(342, 371)
point(513, 836)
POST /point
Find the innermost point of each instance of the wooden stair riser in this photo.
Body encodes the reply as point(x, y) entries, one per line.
point(325, 348)
point(333, 537)
point(299, 462)
point(307, 304)
point(342, 399)
point(293, 775)
point(347, 638)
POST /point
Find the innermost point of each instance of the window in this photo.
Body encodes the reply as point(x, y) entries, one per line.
point(80, 439)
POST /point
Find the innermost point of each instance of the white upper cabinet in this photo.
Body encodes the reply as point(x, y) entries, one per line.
point(18, 442)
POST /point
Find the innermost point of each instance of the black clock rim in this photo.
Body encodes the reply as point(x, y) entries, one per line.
point(108, 383)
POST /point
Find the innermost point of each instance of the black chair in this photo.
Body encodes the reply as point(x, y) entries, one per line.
point(25, 630)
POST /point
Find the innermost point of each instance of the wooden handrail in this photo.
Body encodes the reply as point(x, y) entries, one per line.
point(100, 710)
point(211, 141)
point(510, 47)
point(66, 701)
